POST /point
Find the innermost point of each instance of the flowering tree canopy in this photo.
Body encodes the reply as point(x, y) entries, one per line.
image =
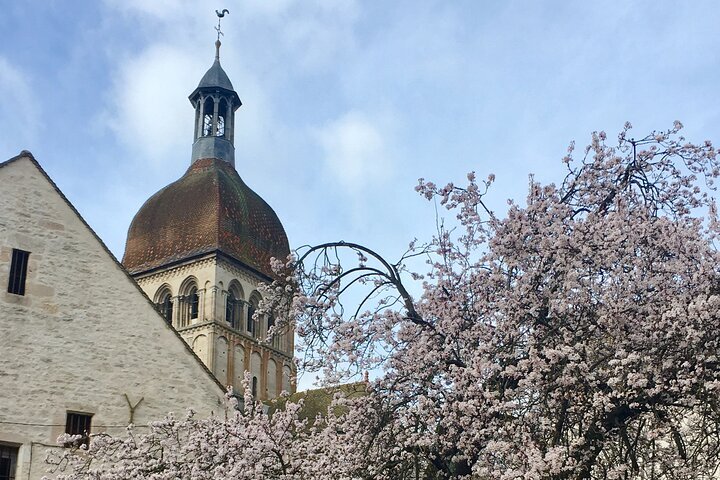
point(575, 337)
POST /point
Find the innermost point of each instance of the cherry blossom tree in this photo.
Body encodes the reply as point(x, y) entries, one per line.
point(574, 337)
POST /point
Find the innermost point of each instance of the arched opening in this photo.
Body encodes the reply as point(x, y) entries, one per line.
point(251, 316)
point(222, 108)
point(234, 306)
point(166, 308)
point(189, 302)
point(221, 359)
point(239, 367)
point(272, 379)
point(199, 346)
point(273, 334)
point(231, 309)
point(208, 111)
point(256, 370)
point(164, 303)
point(194, 302)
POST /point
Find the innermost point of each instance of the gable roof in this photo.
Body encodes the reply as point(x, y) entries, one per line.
point(26, 155)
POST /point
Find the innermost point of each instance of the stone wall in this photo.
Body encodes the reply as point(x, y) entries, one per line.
point(212, 338)
point(83, 337)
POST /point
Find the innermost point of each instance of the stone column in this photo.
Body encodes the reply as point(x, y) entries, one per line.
point(216, 102)
point(201, 305)
point(229, 123)
point(175, 320)
point(213, 314)
point(201, 118)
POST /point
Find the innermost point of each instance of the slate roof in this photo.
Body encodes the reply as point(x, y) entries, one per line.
point(216, 77)
point(208, 209)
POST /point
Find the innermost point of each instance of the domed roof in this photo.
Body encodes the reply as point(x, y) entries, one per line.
point(209, 209)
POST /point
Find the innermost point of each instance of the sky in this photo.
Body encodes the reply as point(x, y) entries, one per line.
point(345, 103)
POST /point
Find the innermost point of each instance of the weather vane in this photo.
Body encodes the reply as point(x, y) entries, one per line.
point(220, 15)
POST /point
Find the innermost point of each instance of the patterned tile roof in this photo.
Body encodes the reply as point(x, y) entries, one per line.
point(209, 208)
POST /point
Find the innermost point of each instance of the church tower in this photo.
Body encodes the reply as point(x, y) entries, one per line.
point(200, 247)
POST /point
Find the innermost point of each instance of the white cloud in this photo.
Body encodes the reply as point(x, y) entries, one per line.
point(356, 151)
point(154, 8)
point(150, 111)
point(19, 110)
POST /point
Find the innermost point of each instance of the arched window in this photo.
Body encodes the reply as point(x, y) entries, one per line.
point(272, 373)
point(230, 309)
point(275, 339)
point(251, 320)
point(166, 308)
point(234, 305)
point(193, 302)
point(164, 303)
point(254, 387)
point(189, 302)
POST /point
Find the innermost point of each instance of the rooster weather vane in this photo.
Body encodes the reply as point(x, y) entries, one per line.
point(220, 15)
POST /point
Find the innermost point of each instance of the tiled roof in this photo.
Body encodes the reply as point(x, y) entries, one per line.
point(210, 208)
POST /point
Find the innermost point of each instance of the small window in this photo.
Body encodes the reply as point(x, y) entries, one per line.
point(78, 424)
point(254, 387)
point(18, 272)
point(8, 462)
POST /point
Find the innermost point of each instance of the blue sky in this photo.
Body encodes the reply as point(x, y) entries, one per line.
point(346, 103)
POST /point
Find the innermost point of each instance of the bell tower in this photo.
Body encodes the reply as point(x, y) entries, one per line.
point(202, 246)
point(215, 102)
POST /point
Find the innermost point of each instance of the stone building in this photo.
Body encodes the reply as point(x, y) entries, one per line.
point(200, 247)
point(83, 349)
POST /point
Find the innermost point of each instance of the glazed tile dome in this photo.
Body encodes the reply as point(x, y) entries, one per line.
point(209, 209)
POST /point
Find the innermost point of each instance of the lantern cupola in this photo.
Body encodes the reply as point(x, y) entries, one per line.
point(215, 102)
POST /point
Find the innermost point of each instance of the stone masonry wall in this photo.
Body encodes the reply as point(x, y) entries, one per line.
point(84, 336)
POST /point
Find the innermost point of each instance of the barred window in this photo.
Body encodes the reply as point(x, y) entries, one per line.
point(78, 424)
point(8, 462)
point(18, 272)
